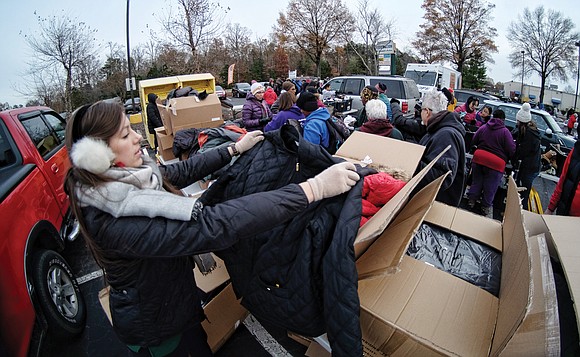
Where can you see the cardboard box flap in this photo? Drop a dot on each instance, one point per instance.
(515, 272)
(564, 234)
(377, 224)
(385, 254)
(401, 154)
(466, 223)
(213, 279)
(539, 332)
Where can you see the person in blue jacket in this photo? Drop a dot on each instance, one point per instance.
(143, 232)
(315, 130)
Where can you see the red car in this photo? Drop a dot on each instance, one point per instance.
(40, 294)
(221, 93)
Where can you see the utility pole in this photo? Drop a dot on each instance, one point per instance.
(522, 86)
(129, 60)
(577, 75)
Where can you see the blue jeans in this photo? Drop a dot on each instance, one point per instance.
(526, 180)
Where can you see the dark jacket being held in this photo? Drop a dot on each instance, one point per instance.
(153, 116)
(445, 129)
(153, 292)
(301, 274)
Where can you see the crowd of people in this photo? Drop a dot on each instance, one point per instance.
(145, 249)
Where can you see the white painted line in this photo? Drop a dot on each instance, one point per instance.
(264, 338)
(90, 276)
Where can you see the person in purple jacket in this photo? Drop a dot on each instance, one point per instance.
(256, 112)
(288, 110)
(495, 146)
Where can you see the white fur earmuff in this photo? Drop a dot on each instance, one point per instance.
(93, 155)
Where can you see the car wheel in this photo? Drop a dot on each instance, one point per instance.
(58, 295)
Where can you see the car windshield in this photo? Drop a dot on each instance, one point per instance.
(129, 101)
(243, 86)
(422, 78)
(218, 88)
(548, 118)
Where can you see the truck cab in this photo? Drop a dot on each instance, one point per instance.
(433, 76)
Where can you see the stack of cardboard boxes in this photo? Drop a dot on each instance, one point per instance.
(185, 113)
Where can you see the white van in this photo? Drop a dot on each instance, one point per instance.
(399, 87)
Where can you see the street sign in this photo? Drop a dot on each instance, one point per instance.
(130, 84)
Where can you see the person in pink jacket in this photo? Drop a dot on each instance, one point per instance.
(468, 110)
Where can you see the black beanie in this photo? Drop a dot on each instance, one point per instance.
(307, 102)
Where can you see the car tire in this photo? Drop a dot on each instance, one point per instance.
(58, 295)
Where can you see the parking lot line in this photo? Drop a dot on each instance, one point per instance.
(264, 338)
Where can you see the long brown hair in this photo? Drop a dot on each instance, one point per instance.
(287, 99)
(100, 120)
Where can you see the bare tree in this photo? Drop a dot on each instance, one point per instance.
(547, 39)
(62, 43)
(313, 28)
(372, 29)
(193, 24)
(460, 27)
(237, 41)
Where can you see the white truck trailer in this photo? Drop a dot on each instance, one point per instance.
(430, 76)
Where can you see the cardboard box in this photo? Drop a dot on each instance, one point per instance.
(561, 235)
(166, 154)
(410, 308)
(190, 112)
(164, 140)
(389, 153)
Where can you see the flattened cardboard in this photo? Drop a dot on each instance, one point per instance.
(421, 310)
(224, 314)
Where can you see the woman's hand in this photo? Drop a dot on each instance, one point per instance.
(249, 140)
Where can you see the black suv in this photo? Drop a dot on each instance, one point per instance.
(550, 131)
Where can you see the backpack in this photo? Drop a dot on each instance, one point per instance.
(338, 132)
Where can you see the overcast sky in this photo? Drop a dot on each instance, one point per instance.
(108, 17)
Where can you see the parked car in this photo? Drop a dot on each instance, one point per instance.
(399, 87)
(462, 94)
(220, 92)
(550, 131)
(240, 90)
(130, 108)
(40, 294)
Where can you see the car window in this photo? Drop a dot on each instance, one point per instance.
(218, 88)
(395, 89)
(57, 124)
(461, 97)
(336, 84)
(412, 90)
(540, 122)
(354, 86)
(7, 157)
(41, 133)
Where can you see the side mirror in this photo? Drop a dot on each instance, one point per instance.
(549, 132)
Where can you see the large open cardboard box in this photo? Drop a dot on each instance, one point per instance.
(191, 112)
(409, 308)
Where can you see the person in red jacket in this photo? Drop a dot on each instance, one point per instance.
(566, 197)
(572, 118)
(270, 96)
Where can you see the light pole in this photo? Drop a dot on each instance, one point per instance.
(367, 52)
(129, 60)
(577, 43)
(522, 86)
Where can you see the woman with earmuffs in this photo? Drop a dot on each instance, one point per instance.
(143, 232)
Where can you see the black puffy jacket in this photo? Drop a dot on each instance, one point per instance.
(147, 261)
(301, 274)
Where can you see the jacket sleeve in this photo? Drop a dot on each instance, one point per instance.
(555, 198)
(198, 166)
(406, 125)
(247, 114)
(216, 228)
(448, 162)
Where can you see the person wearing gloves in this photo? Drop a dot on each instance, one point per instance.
(143, 232)
(153, 115)
(527, 159)
(443, 129)
(256, 112)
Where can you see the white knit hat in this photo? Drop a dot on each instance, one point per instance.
(524, 115)
(256, 87)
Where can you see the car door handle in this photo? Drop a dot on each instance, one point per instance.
(54, 168)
